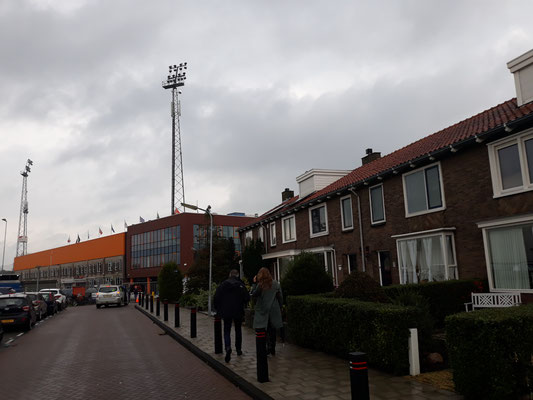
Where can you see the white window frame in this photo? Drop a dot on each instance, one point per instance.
(443, 233)
(428, 211)
(323, 233)
(261, 234)
(500, 223)
(293, 229)
(272, 231)
(248, 237)
(494, 161)
(382, 204)
(349, 197)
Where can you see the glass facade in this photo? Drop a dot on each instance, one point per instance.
(201, 235)
(153, 249)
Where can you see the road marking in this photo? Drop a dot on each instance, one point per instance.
(9, 341)
(20, 334)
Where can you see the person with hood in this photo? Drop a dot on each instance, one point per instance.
(230, 299)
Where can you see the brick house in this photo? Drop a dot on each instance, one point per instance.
(455, 204)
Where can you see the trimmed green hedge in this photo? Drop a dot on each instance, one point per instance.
(490, 352)
(340, 326)
(444, 298)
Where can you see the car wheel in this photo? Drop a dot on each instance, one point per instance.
(28, 326)
(98, 306)
(40, 317)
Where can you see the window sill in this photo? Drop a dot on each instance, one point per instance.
(511, 192)
(416, 214)
(348, 229)
(319, 234)
(379, 223)
(288, 241)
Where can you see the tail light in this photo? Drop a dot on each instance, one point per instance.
(25, 308)
(57, 296)
(35, 302)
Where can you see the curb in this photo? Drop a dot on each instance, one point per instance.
(227, 373)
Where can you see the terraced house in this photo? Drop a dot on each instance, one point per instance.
(455, 204)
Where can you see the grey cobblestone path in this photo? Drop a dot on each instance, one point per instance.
(111, 353)
(299, 373)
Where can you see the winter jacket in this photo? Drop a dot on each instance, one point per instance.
(268, 306)
(230, 298)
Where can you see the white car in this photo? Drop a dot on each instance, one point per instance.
(61, 299)
(109, 294)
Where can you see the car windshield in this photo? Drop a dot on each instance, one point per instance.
(49, 290)
(108, 289)
(12, 301)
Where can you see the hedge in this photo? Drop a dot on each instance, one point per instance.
(340, 326)
(444, 298)
(490, 352)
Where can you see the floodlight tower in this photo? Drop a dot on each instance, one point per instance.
(22, 238)
(175, 79)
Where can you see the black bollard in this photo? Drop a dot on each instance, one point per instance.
(152, 304)
(141, 299)
(147, 301)
(177, 315)
(359, 376)
(157, 307)
(218, 335)
(262, 361)
(165, 310)
(193, 322)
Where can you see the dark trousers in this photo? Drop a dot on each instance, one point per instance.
(238, 333)
(271, 338)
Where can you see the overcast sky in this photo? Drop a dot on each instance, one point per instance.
(273, 89)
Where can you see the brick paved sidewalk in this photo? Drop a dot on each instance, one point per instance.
(294, 372)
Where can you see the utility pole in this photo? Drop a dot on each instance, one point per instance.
(22, 238)
(175, 79)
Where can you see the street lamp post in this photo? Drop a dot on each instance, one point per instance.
(208, 212)
(4, 252)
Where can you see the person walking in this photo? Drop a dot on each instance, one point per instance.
(269, 299)
(230, 299)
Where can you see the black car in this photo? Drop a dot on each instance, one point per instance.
(17, 310)
(51, 302)
(40, 306)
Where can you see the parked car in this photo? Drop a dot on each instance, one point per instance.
(60, 298)
(7, 290)
(90, 294)
(51, 303)
(40, 306)
(109, 294)
(17, 310)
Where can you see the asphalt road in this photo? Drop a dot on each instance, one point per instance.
(110, 353)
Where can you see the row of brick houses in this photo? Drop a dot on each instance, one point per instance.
(455, 204)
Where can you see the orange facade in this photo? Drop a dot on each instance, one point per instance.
(108, 246)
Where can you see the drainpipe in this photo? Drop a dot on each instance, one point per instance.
(360, 229)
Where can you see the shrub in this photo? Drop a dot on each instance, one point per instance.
(305, 275)
(199, 299)
(490, 352)
(444, 298)
(359, 285)
(340, 326)
(170, 282)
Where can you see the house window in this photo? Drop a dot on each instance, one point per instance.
(377, 209)
(288, 227)
(423, 192)
(509, 254)
(427, 257)
(272, 227)
(511, 165)
(346, 213)
(318, 220)
(260, 234)
(248, 237)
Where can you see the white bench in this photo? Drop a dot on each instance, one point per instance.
(494, 300)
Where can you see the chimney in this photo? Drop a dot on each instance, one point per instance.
(522, 69)
(370, 156)
(287, 194)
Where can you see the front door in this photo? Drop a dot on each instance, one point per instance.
(385, 272)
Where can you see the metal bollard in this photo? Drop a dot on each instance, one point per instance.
(218, 335)
(165, 310)
(147, 301)
(262, 361)
(177, 315)
(157, 307)
(359, 376)
(193, 322)
(152, 304)
(141, 300)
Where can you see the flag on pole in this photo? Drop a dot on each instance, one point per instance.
(78, 239)
(112, 229)
(125, 225)
(141, 219)
(68, 240)
(176, 211)
(88, 235)
(158, 215)
(100, 230)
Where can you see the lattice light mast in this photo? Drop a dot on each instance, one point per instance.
(22, 238)
(175, 79)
